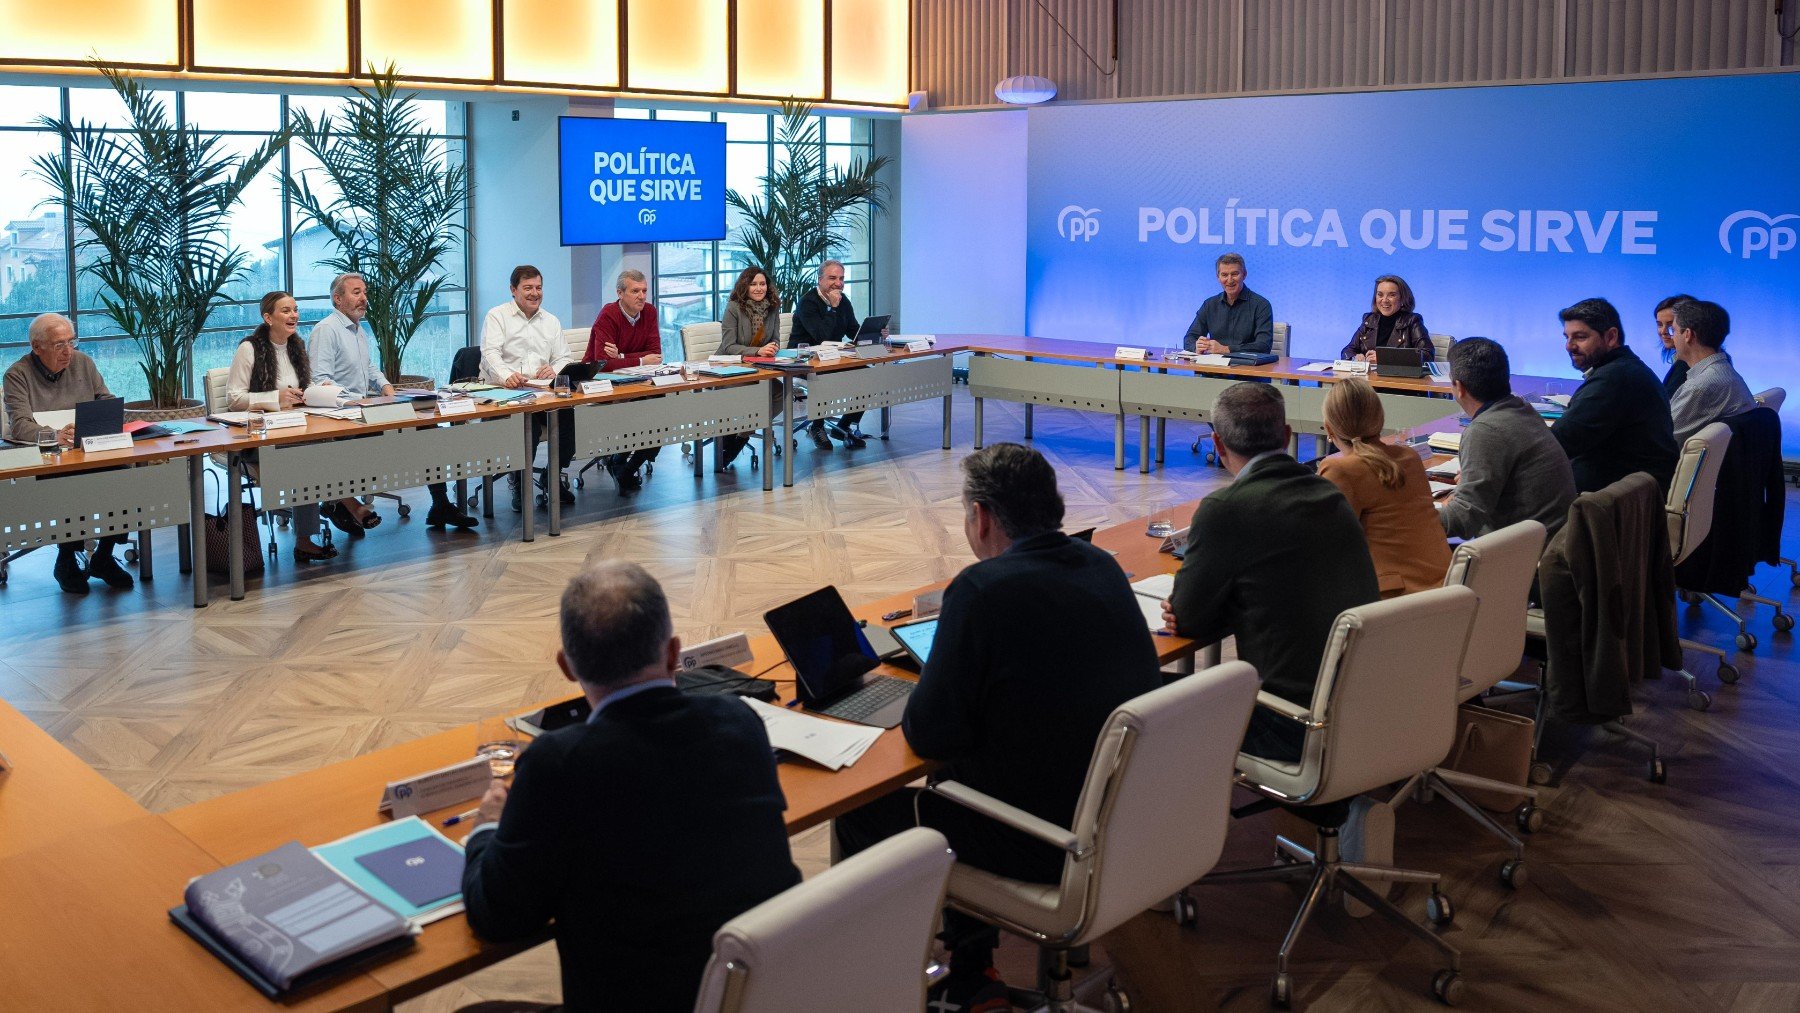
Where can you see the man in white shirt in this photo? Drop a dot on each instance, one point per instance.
(341, 356)
(520, 342)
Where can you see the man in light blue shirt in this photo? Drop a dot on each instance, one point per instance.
(341, 356)
(1713, 389)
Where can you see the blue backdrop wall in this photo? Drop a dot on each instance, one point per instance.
(1498, 205)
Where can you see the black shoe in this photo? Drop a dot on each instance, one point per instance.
(342, 519)
(849, 437)
(303, 554)
(983, 993)
(567, 494)
(447, 515)
(103, 567)
(69, 574)
(517, 497)
(820, 440)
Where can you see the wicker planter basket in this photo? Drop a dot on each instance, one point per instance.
(143, 411)
(423, 382)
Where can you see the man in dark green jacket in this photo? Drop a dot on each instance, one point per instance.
(1272, 558)
(1618, 421)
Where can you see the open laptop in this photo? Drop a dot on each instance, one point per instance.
(832, 661)
(1389, 361)
(102, 417)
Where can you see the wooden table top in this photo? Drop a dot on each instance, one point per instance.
(47, 792)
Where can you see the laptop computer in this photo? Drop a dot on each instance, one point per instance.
(102, 417)
(872, 328)
(832, 662)
(915, 638)
(1408, 362)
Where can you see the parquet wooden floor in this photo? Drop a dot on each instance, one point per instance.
(1684, 896)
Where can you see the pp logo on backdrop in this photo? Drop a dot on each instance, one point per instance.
(1076, 222)
(646, 216)
(1748, 233)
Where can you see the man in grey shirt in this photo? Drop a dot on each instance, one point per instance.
(1512, 467)
(1713, 389)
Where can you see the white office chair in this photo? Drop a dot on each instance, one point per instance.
(705, 338)
(577, 339)
(218, 399)
(1690, 509)
(1151, 819)
(1498, 567)
(1279, 343)
(856, 936)
(1440, 346)
(1383, 710)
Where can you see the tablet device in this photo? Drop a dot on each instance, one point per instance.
(1407, 362)
(916, 637)
(872, 328)
(102, 417)
(832, 661)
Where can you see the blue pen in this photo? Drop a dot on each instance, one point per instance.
(461, 817)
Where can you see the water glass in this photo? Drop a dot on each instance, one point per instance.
(561, 386)
(1162, 527)
(49, 445)
(259, 424)
(496, 740)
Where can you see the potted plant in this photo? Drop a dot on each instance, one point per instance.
(394, 208)
(798, 219)
(149, 202)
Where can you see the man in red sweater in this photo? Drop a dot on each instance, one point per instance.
(625, 334)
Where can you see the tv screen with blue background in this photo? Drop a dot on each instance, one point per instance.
(640, 181)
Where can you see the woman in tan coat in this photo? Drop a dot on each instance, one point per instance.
(1387, 487)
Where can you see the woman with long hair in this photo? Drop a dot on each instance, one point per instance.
(751, 326)
(1387, 487)
(1390, 322)
(1665, 329)
(269, 372)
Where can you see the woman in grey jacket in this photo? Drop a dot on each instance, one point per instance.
(752, 321)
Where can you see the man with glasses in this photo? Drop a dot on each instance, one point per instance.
(53, 377)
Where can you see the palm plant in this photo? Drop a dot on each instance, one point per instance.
(149, 204)
(800, 217)
(394, 209)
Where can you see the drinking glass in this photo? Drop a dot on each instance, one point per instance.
(1162, 527)
(496, 740)
(561, 386)
(259, 424)
(49, 445)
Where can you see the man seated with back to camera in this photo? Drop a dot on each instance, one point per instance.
(1512, 467)
(625, 334)
(636, 835)
(1039, 641)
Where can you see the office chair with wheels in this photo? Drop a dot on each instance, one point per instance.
(1498, 567)
(218, 399)
(1151, 819)
(1774, 398)
(708, 335)
(1383, 710)
(856, 936)
(1748, 459)
(465, 367)
(1690, 508)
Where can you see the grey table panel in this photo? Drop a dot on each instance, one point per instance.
(676, 417)
(878, 385)
(386, 461)
(1088, 389)
(92, 504)
(1405, 412)
(1171, 395)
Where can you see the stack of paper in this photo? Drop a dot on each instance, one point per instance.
(350, 414)
(831, 744)
(1449, 443)
(1448, 469)
(1150, 593)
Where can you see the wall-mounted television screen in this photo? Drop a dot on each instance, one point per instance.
(640, 181)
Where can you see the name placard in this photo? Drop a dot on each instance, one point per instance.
(1124, 352)
(871, 351)
(919, 345)
(402, 412)
(731, 649)
(825, 355)
(928, 604)
(19, 457)
(436, 789)
(667, 380)
(596, 386)
(285, 420)
(111, 441)
(724, 358)
(460, 406)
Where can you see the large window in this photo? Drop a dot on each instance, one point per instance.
(35, 247)
(692, 280)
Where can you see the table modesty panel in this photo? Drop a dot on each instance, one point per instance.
(391, 460)
(1094, 390)
(92, 504)
(1171, 395)
(878, 385)
(677, 417)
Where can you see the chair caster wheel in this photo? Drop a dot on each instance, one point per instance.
(1282, 995)
(1783, 622)
(580, 483)
(1187, 910)
(1746, 641)
(1699, 699)
(131, 557)
(1728, 673)
(1659, 773)
(1540, 774)
(1447, 985)
(1529, 818)
(1117, 1001)
(1512, 874)
(1439, 911)
(405, 511)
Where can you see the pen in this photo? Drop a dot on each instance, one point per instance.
(194, 439)
(460, 817)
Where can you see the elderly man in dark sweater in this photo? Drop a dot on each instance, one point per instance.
(1618, 422)
(55, 377)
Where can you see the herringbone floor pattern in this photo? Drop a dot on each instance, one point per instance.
(1684, 896)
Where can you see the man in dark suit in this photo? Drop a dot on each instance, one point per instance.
(640, 832)
(1618, 421)
(1272, 558)
(1039, 641)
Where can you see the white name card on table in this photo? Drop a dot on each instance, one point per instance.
(1124, 352)
(596, 386)
(1212, 359)
(19, 457)
(460, 406)
(285, 420)
(402, 412)
(111, 441)
(725, 358)
(731, 649)
(667, 380)
(919, 345)
(825, 355)
(436, 789)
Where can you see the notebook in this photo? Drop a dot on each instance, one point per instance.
(424, 870)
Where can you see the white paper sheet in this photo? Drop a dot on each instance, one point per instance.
(831, 744)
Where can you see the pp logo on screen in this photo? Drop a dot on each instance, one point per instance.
(1758, 233)
(1076, 222)
(646, 216)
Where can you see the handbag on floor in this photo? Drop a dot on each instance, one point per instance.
(1495, 745)
(218, 545)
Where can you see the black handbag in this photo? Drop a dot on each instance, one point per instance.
(218, 544)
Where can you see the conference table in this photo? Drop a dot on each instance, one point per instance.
(86, 875)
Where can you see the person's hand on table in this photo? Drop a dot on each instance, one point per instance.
(884, 334)
(387, 390)
(66, 435)
(651, 360)
(1217, 347)
(513, 381)
(545, 372)
(611, 350)
(492, 803)
(1369, 356)
(767, 350)
(1168, 617)
(292, 397)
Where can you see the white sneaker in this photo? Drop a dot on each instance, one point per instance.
(1367, 839)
